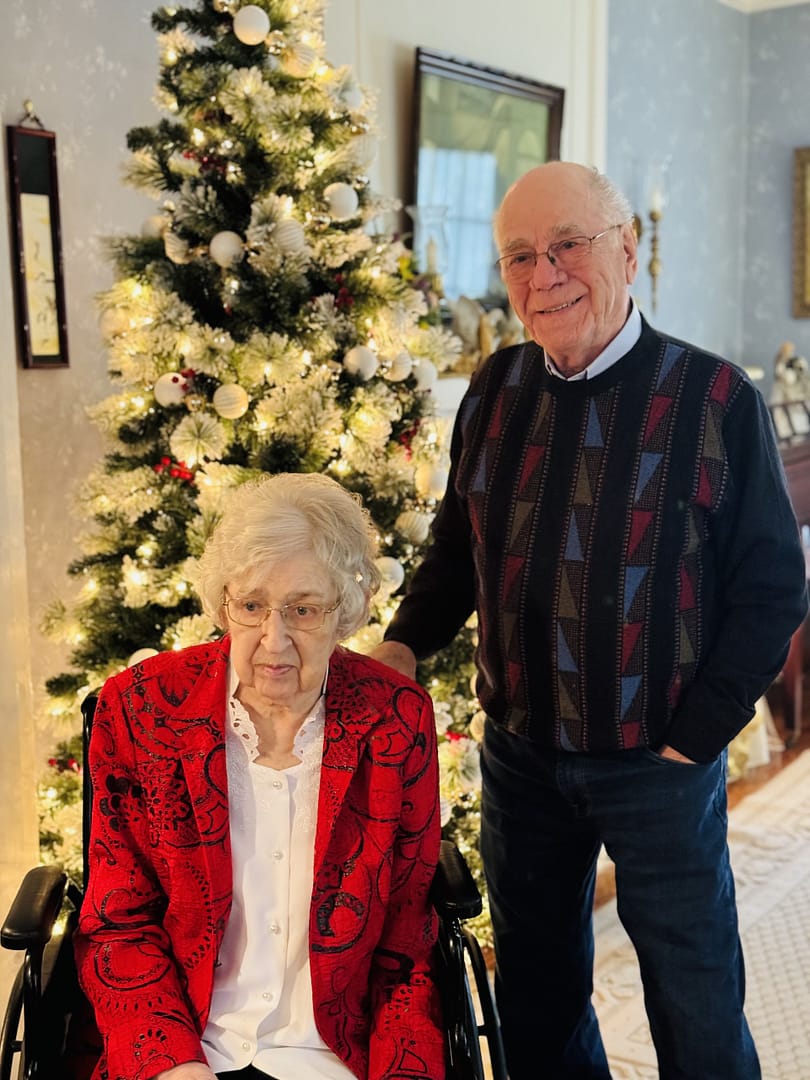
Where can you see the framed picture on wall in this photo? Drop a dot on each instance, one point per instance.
(791, 420)
(36, 247)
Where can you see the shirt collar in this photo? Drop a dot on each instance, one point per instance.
(615, 350)
(310, 733)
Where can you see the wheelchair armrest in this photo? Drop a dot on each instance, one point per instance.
(454, 891)
(33, 912)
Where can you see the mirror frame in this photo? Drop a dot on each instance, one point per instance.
(429, 62)
(801, 233)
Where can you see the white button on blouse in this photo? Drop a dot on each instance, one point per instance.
(261, 1009)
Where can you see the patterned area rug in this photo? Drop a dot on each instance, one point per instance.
(769, 838)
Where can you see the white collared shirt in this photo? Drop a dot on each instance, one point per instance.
(261, 1010)
(615, 350)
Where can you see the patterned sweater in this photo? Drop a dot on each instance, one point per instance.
(628, 544)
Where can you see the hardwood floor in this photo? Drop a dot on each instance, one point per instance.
(754, 779)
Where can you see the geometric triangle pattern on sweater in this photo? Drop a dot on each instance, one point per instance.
(642, 541)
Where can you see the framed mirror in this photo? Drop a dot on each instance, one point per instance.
(476, 130)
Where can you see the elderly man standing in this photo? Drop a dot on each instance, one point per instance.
(617, 515)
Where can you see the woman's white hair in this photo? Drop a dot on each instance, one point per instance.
(278, 517)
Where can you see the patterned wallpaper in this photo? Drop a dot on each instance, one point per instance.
(779, 90)
(677, 92)
(722, 95)
(89, 66)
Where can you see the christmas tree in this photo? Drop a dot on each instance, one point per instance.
(259, 323)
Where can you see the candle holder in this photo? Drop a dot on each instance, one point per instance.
(654, 266)
(430, 243)
(657, 200)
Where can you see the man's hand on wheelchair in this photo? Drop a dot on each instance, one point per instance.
(189, 1070)
(397, 656)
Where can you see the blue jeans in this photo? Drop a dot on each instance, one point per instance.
(545, 815)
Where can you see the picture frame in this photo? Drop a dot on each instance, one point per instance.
(791, 420)
(801, 233)
(36, 247)
(475, 130)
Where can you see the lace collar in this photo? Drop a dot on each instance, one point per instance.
(241, 728)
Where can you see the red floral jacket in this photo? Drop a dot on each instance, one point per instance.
(159, 893)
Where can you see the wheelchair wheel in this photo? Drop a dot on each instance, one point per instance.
(10, 1042)
(489, 1027)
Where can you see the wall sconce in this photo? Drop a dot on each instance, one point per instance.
(656, 201)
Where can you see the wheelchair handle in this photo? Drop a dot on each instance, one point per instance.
(33, 912)
(454, 892)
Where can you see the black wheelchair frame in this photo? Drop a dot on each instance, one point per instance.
(41, 1033)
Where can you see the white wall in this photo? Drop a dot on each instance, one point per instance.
(559, 43)
(17, 810)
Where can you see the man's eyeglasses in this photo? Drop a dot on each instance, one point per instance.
(297, 616)
(518, 266)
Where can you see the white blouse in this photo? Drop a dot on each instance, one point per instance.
(261, 1010)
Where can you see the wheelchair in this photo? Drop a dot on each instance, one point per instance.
(47, 1031)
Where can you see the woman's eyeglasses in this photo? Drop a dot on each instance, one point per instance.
(296, 616)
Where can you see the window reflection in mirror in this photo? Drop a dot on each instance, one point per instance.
(476, 131)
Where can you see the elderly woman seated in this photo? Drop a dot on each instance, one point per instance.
(265, 823)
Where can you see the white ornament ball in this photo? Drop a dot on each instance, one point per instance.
(426, 374)
(226, 248)
(112, 322)
(289, 235)
(299, 61)
(231, 401)
(361, 361)
(477, 725)
(342, 201)
(400, 367)
(430, 480)
(392, 574)
(414, 526)
(154, 227)
(139, 655)
(170, 388)
(251, 24)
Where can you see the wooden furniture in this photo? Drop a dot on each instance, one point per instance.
(796, 460)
